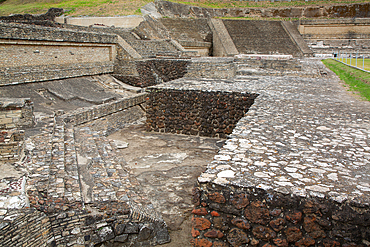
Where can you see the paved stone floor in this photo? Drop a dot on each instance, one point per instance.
(167, 166)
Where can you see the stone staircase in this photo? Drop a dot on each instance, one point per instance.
(70, 165)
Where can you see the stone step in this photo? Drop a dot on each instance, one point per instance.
(104, 176)
(56, 188)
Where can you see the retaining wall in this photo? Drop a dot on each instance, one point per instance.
(11, 145)
(236, 216)
(155, 71)
(195, 112)
(33, 53)
(356, 10)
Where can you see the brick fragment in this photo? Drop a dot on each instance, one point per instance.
(277, 224)
(194, 233)
(294, 217)
(215, 214)
(240, 223)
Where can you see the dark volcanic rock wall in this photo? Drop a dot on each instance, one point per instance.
(194, 112)
(235, 216)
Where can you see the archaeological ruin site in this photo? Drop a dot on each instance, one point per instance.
(183, 127)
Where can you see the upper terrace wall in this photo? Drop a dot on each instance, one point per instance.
(34, 53)
(335, 29)
(357, 10)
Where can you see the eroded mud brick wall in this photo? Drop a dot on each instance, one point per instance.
(236, 216)
(193, 112)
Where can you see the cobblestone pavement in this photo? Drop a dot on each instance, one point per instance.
(305, 136)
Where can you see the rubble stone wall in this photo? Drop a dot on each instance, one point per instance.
(84, 115)
(356, 10)
(11, 145)
(218, 68)
(34, 53)
(194, 112)
(155, 71)
(235, 216)
(27, 227)
(16, 113)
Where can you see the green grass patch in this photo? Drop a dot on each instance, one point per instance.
(357, 80)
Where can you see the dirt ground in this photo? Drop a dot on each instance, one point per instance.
(167, 167)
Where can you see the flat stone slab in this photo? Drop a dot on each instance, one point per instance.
(303, 136)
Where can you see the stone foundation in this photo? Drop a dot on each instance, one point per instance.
(195, 112)
(238, 216)
(11, 145)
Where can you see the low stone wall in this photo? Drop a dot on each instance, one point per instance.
(211, 67)
(335, 29)
(16, 112)
(195, 112)
(235, 216)
(155, 71)
(11, 145)
(27, 227)
(84, 115)
(34, 53)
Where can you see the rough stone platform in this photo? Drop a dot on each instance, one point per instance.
(294, 171)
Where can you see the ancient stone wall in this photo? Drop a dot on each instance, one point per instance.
(11, 145)
(211, 67)
(34, 53)
(27, 227)
(195, 112)
(234, 216)
(356, 10)
(16, 112)
(84, 115)
(155, 71)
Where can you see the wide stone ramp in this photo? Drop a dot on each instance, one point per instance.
(261, 37)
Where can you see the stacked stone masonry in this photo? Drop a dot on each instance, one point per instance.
(35, 53)
(195, 112)
(356, 10)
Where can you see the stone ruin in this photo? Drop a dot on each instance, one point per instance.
(294, 169)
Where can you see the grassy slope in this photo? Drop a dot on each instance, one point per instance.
(132, 7)
(357, 80)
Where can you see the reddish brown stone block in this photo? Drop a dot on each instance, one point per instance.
(201, 242)
(200, 211)
(201, 223)
(240, 201)
(275, 212)
(214, 234)
(240, 223)
(313, 229)
(268, 245)
(256, 214)
(194, 233)
(215, 214)
(220, 244)
(293, 234)
(305, 242)
(280, 242)
(217, 197)
(330, 243)
(294, 217)
(237, 237)
(264, 233)
(277, 224)
(219, 223)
